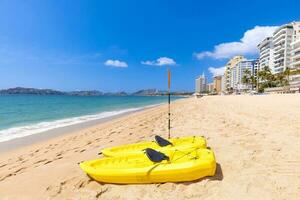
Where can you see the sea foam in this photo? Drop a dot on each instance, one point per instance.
(22, 131)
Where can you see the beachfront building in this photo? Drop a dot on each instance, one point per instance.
(294, 80)
(200, 84)
(281, 50)
(210, 88)
(228, 71)
(266, 49)
(295, 52)
(239, 72)
(235, 71)
(217, 84)
(295, 56)
(282, 39)
(223, 84)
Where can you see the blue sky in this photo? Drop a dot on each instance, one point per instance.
(124, 45)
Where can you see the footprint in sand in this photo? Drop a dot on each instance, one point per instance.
(49, 161)
(19, 170)
(3, 165)
(83, 150)
(5, 177)
(39, 161)
(56, 189)
(59, 153)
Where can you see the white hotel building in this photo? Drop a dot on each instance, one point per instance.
(238, 71)
(235, 71)
(281, 50)
(282, 39)
(200, 84)
(266, 54)
(295, 53)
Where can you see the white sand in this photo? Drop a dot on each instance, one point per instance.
(256, 140)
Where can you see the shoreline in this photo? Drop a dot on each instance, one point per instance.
(16, 143)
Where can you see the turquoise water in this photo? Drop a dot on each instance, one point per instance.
(22, 115)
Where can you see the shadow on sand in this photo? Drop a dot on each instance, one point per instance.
(217, 177)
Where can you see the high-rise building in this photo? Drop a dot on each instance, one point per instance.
(280, 51)
(210, 87)
(235, 70)
(223, 84)
(228, 70)
(200, 84)
(282, 39)
(218, 84)
(239, 70)
(266, 50)
(294, 80)
(295, 53)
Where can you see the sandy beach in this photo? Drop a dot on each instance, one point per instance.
(256, 140)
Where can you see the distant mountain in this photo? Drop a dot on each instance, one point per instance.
(149, 92)
(34, 91)
(85, 93)
(115, 94)
(146, 92)
(21, 90)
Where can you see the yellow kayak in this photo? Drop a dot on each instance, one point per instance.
(160, 144)
(153, 167)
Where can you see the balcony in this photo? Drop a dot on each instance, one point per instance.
(295, 49)
(264, 56)
(264, 51)
(279, 46)
(297, 42)
(295, 63)
(279, 51)
(280, 40)
(279, 57)
(280, 32)
(296, 57)
(279, 63)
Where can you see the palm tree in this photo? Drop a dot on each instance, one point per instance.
(280, 79)
(262, 74)
(246, 79)
(253, 81)
(266, 77)
(287, 73)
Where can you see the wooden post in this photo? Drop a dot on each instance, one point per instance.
(169, 102)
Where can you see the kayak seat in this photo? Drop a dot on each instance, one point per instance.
(155, 156)
(162, 142)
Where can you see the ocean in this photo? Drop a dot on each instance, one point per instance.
(23, 115)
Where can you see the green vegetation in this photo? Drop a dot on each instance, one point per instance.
(295, 72)
(269, 80)
(249, 79)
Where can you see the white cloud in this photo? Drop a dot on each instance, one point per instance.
(160, 61)
(246, 46)
(216, 71)
(116, 63)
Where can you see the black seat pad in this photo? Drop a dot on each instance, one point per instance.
(155, 156)
(161, 141)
